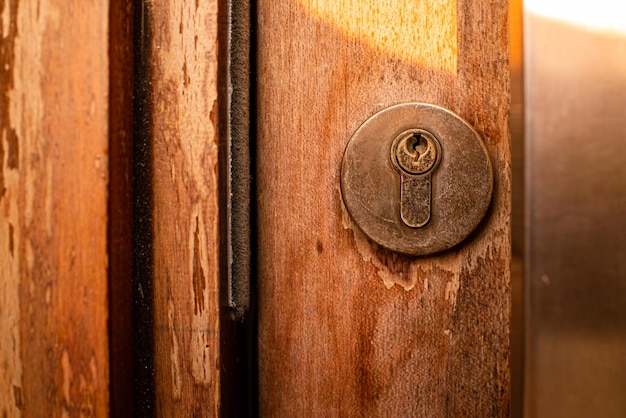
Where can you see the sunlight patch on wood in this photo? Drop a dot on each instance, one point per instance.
(421, 32)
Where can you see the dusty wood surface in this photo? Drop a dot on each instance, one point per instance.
(183, 43)
(54, 89)
(336, 338)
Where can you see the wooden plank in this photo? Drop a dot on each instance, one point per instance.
(54, 88)
(336, 336)
(182, 39)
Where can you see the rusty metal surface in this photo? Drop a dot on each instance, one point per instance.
(460, 179)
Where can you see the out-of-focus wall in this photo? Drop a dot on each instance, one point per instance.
(575, 133)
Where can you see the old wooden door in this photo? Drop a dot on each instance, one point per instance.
(343, 328)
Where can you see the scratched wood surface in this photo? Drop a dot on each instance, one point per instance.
(346, 328)
(182, 37)
(54, 89)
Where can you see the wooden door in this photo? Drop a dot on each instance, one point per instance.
(109, 208)
(64, 219)
(347, 328)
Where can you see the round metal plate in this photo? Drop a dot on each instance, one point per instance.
(461, 186)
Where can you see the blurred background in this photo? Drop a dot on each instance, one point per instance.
(569, 208)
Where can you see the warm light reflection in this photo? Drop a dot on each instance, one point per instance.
(421, 32)
(605, 15)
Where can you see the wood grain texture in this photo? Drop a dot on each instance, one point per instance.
(54, 90)
(185, 225)
(336, 336)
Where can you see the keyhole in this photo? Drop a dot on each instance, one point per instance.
(419, 146)
(419, 142)
(415, 153)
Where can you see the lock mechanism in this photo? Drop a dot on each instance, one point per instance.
(416, 178)
(415, 154)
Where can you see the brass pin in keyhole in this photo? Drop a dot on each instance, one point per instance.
(415, 154)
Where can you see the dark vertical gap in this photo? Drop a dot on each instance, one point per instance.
(253, 332)
(144, 397)
(253, 326)
(119, 237)
(238, 318)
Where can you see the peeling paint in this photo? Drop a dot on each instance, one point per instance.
(93, 368)
(6, 18)
(18, 397)
(186, 276)
(203, 370)
(11, 239)
(48, 198)
(199, 279)
(200, 340)
(11, 392)
(392, 268)
(66, 367)
(26, 98)
(174, 353)
(45, 338)
(13, 157)
(452, 289)
(406, 271)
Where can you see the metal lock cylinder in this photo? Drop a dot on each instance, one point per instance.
(416, 178)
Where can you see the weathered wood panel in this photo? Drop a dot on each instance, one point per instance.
(183, 66)
(54, 89)
(336, 336)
